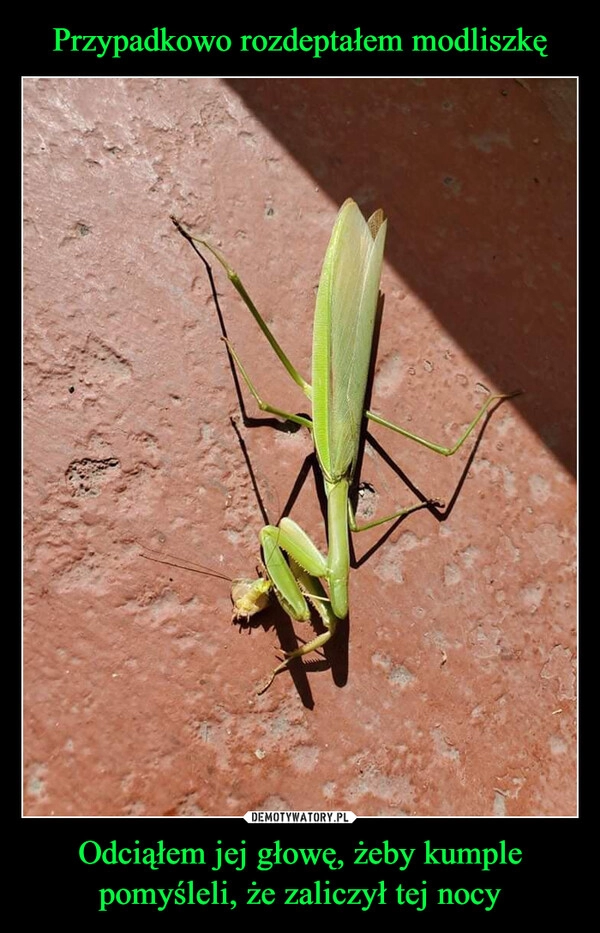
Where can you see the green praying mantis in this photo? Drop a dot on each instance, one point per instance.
(296, 570)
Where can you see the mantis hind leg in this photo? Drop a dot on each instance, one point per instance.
(239, 287)
(265, 406)
(439, 448)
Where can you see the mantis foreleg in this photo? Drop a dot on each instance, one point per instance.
(292, 583)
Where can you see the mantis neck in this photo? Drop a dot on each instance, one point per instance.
(339, 553)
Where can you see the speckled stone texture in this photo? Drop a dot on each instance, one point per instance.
(452, 689)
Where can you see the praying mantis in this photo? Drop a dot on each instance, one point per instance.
(297, 572)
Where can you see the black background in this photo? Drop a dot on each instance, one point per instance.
(53, 880)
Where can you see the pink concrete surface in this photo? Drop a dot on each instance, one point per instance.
(452, 690)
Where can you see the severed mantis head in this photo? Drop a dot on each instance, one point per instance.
(248, 597)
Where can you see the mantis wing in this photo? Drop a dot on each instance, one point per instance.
(343, 336)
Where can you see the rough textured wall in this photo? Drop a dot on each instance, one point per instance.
(452, 689)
